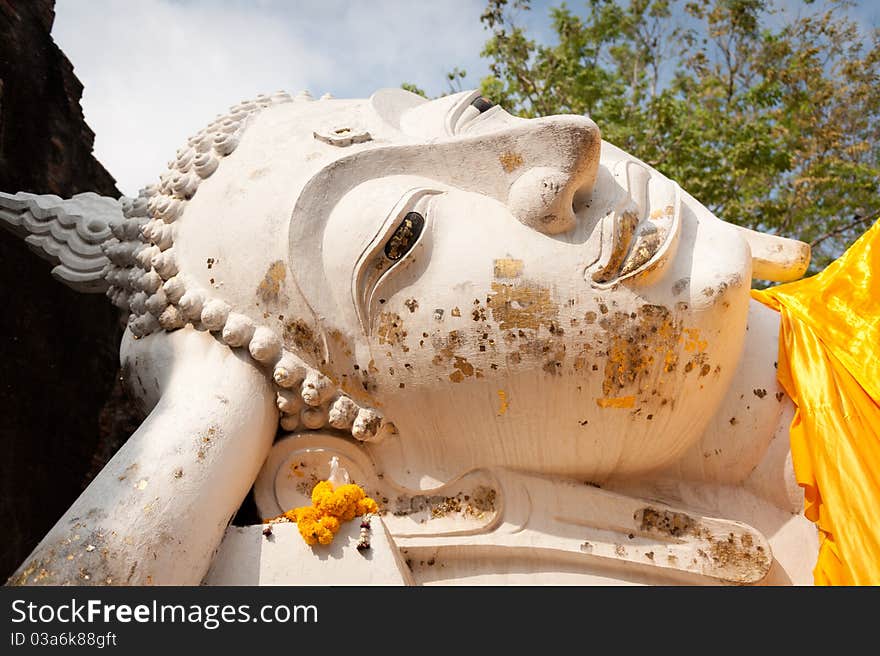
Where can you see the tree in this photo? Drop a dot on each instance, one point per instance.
(768, 118)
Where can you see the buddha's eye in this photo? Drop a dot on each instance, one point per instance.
(464, 117)
(482, 104)
(405, 236)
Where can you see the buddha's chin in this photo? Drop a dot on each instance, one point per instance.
(583, 435)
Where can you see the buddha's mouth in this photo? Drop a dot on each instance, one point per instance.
(642, 230)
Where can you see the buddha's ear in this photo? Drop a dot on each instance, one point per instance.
(69, 233)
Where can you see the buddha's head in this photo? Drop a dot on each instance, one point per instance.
(505, 291)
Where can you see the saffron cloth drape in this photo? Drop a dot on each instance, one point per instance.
(829, 364)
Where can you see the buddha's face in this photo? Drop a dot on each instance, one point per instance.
(519, 293)
(506, 291)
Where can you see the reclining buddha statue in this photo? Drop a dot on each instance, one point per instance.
(539, 355)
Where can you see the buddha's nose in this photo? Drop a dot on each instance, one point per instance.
(560, 158)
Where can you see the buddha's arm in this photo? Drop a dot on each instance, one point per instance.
(158, 510)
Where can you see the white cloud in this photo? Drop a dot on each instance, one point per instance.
(156, 71)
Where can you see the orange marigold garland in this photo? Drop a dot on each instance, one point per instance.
(332, 504)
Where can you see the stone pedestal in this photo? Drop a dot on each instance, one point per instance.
(247, 557)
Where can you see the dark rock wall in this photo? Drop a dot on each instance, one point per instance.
(59, 355)
(45, 144)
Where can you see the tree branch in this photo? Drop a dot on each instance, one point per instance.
(849, 226)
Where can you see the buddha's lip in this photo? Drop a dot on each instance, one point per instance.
(641, 232)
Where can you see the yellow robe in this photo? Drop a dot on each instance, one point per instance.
(829, 364)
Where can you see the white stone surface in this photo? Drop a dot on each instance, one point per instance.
(247, 557)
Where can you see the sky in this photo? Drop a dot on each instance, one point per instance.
(157, 71)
